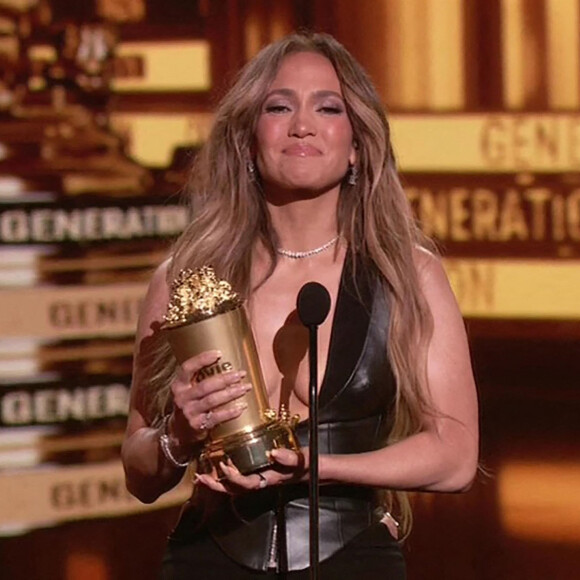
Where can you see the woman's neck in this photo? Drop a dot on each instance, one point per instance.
(307, 223)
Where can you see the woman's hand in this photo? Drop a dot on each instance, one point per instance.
(288, 467)
(201, 405)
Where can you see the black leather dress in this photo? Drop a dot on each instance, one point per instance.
(270, 528)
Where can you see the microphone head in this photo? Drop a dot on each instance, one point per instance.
(313, 304)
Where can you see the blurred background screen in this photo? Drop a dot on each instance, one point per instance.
(103, 104)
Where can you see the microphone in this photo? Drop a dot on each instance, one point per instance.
(313, 305)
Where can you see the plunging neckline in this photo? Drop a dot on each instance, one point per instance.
(332, 339)
(350, 320)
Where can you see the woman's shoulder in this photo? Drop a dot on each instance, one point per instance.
(427, 263)
(157, 296)
(160, 274)
(434, 282)
(158, 283)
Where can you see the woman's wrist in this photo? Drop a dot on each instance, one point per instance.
(176, 453)
(324, 467)
(329, 469)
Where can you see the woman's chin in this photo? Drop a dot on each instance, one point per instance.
(298, 189)
(297, 193)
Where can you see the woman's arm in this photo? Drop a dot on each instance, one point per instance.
(148, 471)
(444, 455)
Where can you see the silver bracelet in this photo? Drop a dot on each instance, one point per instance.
(165, 446)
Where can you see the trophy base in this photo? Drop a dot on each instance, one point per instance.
(250, 451)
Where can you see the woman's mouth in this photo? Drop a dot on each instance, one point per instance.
(302, 150)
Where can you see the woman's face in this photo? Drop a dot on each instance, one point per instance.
(304, 137)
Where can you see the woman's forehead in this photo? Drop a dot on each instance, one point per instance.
(306, 69)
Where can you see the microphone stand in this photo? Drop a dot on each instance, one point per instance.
(313, 446)
(313, 305)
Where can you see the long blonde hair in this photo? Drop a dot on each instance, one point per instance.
(229, 216)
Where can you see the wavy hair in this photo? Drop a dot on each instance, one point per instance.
(229, 216)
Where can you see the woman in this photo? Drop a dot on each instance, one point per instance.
(297, 182)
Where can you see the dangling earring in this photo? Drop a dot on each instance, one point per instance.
(251, 169)
(352, 175)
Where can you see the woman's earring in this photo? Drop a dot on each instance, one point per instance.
(352, 175)
(251, 168)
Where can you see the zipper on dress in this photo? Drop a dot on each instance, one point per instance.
(273, 556)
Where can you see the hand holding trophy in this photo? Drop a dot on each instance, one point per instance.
(204, 313)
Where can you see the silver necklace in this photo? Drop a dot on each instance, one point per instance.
(307, 253)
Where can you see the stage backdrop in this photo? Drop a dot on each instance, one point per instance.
(103, 104)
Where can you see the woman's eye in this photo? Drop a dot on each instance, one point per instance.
(276, 108)
(331, 110)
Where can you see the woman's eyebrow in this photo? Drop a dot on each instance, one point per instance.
(292, 93)
(281, 92)
(326, 93)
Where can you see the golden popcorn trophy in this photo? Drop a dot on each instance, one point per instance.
(204, 313)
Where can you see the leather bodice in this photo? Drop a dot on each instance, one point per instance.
(356, 395)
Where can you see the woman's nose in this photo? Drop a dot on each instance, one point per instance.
(302, 124)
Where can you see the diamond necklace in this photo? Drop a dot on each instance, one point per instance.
(307, 253)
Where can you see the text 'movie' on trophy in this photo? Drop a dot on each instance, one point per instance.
(204, 313)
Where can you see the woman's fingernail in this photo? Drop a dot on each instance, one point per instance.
(241, 406)
(232, 377)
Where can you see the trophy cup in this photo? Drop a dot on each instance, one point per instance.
(204, 313)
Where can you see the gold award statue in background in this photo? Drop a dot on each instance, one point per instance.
(204, 313)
